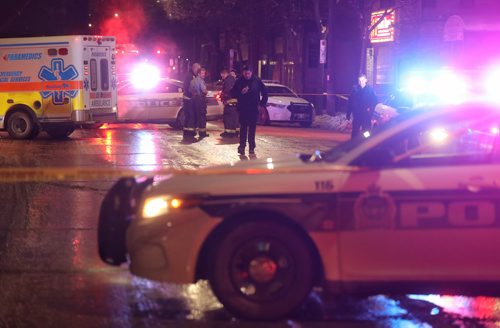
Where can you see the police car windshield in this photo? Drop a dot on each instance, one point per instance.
(340, 150)
(273, 90)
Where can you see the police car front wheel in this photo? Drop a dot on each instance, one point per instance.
(262, 270)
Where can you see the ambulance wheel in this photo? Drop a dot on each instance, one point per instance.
(92, 126)
(263, 117)
(261, 270)
(59, 132)
(20, 125)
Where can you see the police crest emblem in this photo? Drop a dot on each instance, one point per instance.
(374, 209)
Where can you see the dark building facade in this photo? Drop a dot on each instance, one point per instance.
(44, 18)
(434, 34)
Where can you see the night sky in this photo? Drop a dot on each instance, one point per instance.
(44, 17)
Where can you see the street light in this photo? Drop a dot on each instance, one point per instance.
(116, 15)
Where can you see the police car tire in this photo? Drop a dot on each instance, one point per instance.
(31, 130)
(263, 118)
(179, 122)
(299, 277)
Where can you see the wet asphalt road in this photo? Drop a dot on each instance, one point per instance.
(51, 276)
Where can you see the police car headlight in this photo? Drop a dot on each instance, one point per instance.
(157, 206)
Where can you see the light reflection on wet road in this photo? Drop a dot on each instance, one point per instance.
(51, 276)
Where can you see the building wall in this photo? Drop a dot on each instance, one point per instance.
(433, 34)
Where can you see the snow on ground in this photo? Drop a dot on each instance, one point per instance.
(338, 122)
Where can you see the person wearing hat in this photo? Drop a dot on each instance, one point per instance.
(250, 93)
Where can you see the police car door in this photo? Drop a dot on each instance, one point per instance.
(131, 103)
(432, 213)
(165, 102)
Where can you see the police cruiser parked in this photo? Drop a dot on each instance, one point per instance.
(161, 103)
(284, 106)
(415, 207)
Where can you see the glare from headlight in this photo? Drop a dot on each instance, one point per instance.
(145, 76)
(154, 207)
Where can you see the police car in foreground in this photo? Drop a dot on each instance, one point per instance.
(415, 207)
(284, 106)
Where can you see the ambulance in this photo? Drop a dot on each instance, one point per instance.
(56, 84)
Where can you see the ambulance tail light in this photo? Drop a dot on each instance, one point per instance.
(63, 51)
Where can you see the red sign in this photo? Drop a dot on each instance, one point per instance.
(384, 31)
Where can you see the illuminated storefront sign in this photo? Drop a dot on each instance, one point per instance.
(384, 31)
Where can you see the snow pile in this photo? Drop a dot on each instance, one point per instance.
(384, 113)
(338, 122)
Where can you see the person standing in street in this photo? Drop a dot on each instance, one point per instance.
(250, 93)
(198, 90)
(362, 104)
(230, 116)
(189, 128)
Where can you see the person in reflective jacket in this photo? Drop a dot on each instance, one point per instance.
(198, 90)
(230, 118)
(189, 128)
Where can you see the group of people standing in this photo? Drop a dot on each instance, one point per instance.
(241, 97)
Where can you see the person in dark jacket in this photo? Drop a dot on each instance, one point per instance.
(362, 103)
(189, 129)
(230, 118)
(250, 93)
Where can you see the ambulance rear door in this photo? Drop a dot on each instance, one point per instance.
(99, 82)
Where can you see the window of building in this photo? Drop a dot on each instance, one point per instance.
(428, 3)
(467, 3)
(387, 3)
(313, 60)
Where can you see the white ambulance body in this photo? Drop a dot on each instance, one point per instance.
(56, 84)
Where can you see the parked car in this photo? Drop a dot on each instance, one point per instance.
(161, 104)
(284, 105)
(411, 208)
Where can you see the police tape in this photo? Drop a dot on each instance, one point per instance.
(343, 96)
(43, 174)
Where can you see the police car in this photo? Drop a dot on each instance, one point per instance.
(414, 207)
(284, 105)
(162, 103)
